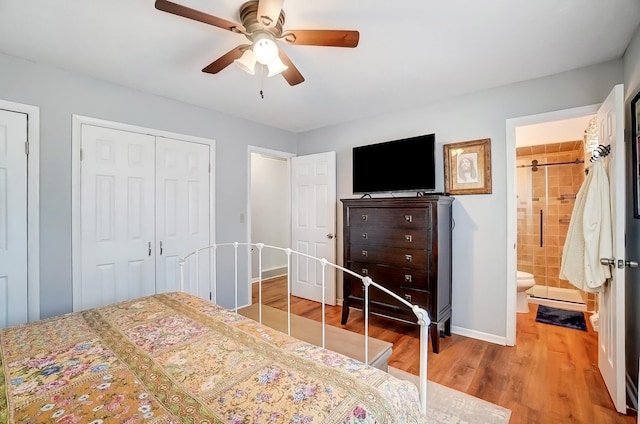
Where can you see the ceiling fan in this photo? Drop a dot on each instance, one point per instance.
(262, 23)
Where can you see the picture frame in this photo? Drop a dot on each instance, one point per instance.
(467, 167)
(635, 148)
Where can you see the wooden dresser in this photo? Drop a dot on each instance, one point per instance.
(403, 244)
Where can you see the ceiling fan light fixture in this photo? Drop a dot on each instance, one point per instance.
(276, 67)
(247, 62)
(265, 49)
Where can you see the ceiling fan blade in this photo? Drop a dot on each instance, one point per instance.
(269, 12)
(292, 75)
(196, 15)
(322, 37)
(225, 60)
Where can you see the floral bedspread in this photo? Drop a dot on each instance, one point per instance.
(175, 358)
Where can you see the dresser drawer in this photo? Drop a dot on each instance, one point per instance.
(392, 277)
(377, 296)
(410, 238)
(401, 218)
(393, 256)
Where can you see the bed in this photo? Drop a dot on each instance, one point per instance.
(173, 358)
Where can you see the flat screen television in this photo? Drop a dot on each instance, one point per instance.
(407, 164)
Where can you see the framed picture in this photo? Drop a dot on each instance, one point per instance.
(467, 167)
(635, 140)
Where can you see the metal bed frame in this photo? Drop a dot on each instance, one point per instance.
(422, 317)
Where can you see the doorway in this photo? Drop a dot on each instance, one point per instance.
(309, 218)
(269, 209)
(550, 162)
(513, 126)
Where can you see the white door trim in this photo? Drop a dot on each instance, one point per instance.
(33, 204)
(76, 143)
(277, 154)
(510, 154)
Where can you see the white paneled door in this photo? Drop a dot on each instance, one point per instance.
(182, 213)
(313, 204)
(13, 218)
(117, 215)
(611, 336)
(145, 201)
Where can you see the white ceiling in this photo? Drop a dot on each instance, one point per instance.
(411, 52)
(553, 131)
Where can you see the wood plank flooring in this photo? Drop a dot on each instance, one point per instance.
(550, 376)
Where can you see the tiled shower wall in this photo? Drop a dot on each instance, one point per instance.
(555, 194)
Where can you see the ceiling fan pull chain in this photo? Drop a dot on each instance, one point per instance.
(261, 81)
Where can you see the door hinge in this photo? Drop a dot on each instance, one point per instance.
(209, 168)
(80, 155)
(26, 148)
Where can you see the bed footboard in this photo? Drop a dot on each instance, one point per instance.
(208, 256)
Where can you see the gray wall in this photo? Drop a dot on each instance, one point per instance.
(632, 276)
(59, 94)
(479, 239)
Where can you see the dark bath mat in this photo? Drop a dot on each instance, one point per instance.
(555, 316)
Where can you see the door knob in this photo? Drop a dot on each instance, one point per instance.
(329, 236)
(631, 264)
(607, 261)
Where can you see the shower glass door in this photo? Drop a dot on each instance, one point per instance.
(533, 211)
(546, 195)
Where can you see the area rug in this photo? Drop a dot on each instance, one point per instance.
(445, 405)
(562, 318)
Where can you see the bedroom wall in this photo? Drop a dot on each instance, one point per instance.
(59, 94)
(479, 237)
(632, 276)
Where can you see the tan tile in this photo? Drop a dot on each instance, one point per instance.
(550, 240)
(552, 230)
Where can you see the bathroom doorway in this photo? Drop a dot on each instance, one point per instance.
(548, 179)
(547, 127)
(551, 159)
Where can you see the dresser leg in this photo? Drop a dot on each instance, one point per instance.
(447, 327)
(345, 313)
(435, 337)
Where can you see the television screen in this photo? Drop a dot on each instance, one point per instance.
(400, 165)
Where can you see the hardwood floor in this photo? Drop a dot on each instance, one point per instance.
(550, 376)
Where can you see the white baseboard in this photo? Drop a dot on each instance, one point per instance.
(271, 273)
(491, 338)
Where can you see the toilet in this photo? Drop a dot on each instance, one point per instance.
(525, 282)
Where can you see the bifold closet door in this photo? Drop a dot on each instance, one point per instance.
(182, 213)
(117, 215)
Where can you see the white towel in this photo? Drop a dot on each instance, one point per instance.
(589, 236)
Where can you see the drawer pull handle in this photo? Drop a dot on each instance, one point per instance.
(407, 297)
(364, 253)
(408, 278)
(408, 218)
(364, 217)
(409, 258)
(408, 238)
(365, 271)
(364, 235)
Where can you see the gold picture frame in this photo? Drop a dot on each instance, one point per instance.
(467, 167)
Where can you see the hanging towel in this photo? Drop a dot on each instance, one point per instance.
(589, 236)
